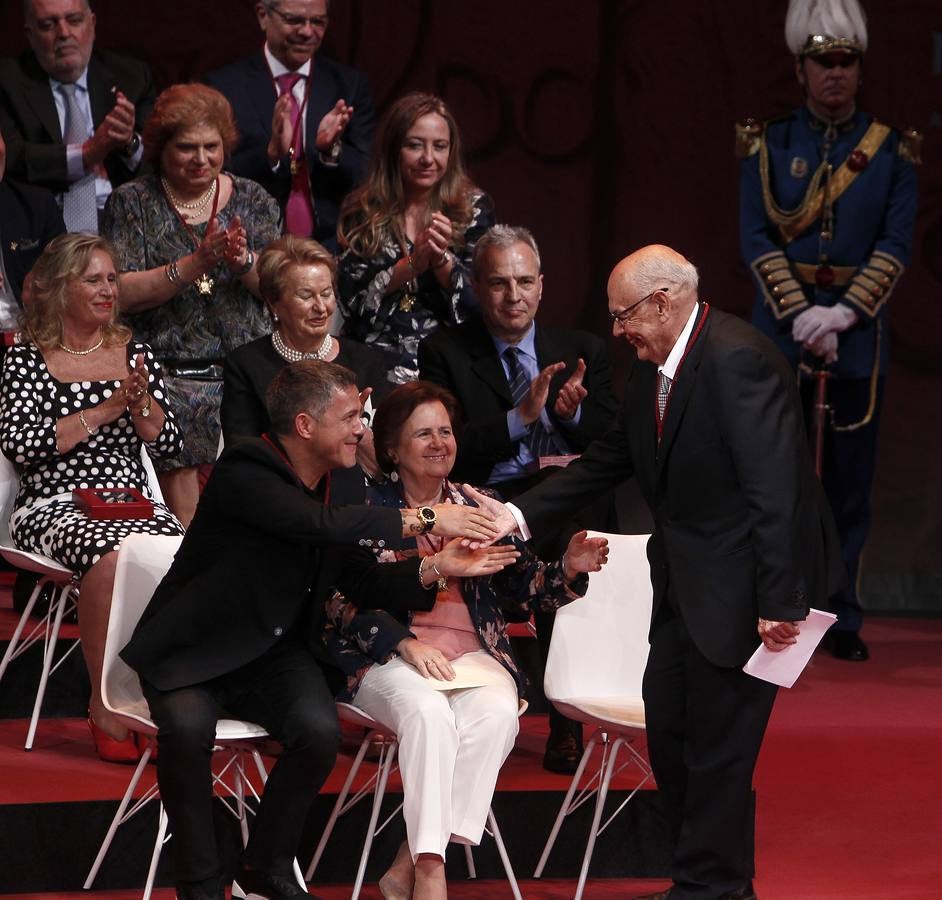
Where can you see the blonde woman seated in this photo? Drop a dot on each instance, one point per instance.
(78, 398)
(452, 742)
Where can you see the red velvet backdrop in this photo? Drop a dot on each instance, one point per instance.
(607, 125)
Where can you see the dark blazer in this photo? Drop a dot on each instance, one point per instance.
(29, 219)
(249, 87)
(741, 527)
(464, 360)
(30, 125)
(250, 369)
(259, 560)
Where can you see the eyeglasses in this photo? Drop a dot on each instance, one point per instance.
(298, 21)
(624, 317)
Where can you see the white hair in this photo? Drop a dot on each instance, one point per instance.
(842, 19)
(654, 272)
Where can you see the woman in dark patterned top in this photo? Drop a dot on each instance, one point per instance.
(77, 400)
(452, 689)
(407, 235)
(186, 240)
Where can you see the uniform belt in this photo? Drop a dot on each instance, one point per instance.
(806, 273)
(197, 369)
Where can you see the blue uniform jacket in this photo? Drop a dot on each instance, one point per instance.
(870, 241)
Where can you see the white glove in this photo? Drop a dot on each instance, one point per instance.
(813, 323)
(824, 346)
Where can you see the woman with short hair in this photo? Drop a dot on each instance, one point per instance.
(186, 239)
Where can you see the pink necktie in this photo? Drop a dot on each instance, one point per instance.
(299, 210)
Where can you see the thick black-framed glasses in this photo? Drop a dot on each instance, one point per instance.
(297, 21)
(622, 317)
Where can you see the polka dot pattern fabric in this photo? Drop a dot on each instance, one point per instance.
(44, 519)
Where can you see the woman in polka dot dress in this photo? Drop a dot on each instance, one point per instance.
(77, 398)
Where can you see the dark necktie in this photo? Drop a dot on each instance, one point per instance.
(79, 202)
(540, 441)
(299, 210)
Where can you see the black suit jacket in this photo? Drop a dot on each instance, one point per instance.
(464, 360)
(30, 125)
(29, 219)
(258, 562)
(249, 87)
(741, 526)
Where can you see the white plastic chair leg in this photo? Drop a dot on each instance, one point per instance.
(597, 815)
(155, 856)
(116, 821)
(335, 812)
(60, 601)
(18, 631)
(504, 858)
(469, 861)
(387, 755)
(565, 808)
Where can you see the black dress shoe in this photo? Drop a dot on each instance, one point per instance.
(211, 889)
(563, 753)
(744, 893)
(258, 884)
(848, 645)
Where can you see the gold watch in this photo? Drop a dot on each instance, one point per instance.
(427, 518)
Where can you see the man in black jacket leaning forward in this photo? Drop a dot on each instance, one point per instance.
(234, 628)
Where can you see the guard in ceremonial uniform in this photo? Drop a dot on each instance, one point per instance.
(827, 205)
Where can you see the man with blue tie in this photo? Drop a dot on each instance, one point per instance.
(827, 208)
(528, 392)
(305, 121)
(72, 115)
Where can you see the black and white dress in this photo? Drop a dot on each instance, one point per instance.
(44, 519)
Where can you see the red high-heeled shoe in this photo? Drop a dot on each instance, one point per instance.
(111, 750)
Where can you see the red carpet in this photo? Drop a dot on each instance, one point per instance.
(849, 797)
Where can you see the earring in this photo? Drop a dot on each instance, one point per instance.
(274, 315)
(393, 476)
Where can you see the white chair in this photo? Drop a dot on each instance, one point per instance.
(377, 733)
(64, 595)
(593, 675)
(142, 562)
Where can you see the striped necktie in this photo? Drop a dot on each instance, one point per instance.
(540, 441)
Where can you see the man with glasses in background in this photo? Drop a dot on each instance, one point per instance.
(71, 114)
(306, 121)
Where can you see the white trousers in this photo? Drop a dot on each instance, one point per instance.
(451, 745)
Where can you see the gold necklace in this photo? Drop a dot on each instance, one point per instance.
(197, 206)
(101, 340)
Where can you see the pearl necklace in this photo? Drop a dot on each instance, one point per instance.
(197, 205)
(291, 355)
(101, 340)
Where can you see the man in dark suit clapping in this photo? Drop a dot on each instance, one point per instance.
(71, 114)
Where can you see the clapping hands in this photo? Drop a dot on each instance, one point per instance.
(584, 554)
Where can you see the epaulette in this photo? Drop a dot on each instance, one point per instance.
(748, 137)
(910, 146)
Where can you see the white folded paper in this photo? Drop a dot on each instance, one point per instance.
(468, 674)
(784, 667)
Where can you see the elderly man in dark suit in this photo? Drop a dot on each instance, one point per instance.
(306, 121)
(72, 115)
(235, 626)
(711, 426)
(527, 391)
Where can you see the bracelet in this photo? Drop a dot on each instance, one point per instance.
(173, 273)
(422, 563)
(249, 262)
(145, 409)
(91, 431)
(442, 579)
(443, 260)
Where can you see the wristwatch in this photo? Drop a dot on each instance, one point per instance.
(427, 518)
(132, 145)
